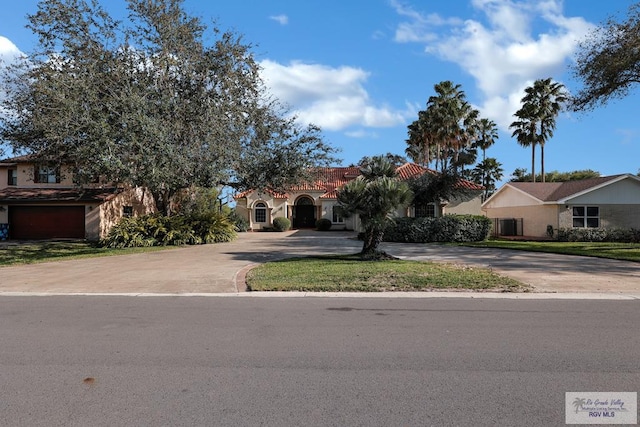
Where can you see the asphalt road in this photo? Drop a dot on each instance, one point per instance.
(233, 361)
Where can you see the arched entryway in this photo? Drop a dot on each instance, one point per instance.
(304, 213)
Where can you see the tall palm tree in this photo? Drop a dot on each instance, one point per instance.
(487, 135)
(551, 96)
(536, 119)
(420, 143)
(453, 120)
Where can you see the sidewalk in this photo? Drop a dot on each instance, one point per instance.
(208, 269)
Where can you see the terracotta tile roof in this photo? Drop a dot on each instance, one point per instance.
(555, 191)
(12, 194)
(328, 180)
(18, 159)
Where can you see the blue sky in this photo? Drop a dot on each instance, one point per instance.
(362, 69)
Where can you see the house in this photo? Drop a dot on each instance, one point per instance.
(306, 203)
(38, 201)
(535, 209)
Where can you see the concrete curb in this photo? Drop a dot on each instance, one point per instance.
(373, 295)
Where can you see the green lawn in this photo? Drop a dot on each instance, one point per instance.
(28, 253)
(620, 251)
(343, 273)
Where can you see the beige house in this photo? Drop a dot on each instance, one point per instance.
(532, 208)
(303, 205)
(42, 202)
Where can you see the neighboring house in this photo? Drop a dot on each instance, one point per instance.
(42, 202)
(305, 204)
(532, 208)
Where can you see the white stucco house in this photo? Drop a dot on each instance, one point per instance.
(530, 208)
(306, 203)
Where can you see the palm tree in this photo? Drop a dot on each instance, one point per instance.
(525, 132)
(453, 120)
(487, 173)
(374, 196)
(487, 135)
(551, 96)
(536, 119)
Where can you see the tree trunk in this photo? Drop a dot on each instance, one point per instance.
(163, 203)
(533, 162)
(372, 240)
(542, 162)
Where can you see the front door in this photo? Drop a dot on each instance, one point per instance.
(304, 213)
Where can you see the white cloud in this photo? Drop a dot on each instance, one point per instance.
(332, 98)
(502, 53)
(280, 19)
(8, 50)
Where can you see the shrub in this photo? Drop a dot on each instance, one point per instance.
(159, 230)
(241, 223)
(323, 224)
(212, 227)
(281, 224)
(449, 228)
(622, 235)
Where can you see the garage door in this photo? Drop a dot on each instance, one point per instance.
(46, 222)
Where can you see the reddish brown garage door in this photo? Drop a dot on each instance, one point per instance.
(46, 222)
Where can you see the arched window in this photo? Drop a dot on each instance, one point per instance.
(260, 212)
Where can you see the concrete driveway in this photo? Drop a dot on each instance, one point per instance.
(214, 268)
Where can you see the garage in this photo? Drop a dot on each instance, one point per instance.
(46, 222)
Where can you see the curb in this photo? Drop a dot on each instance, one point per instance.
(370, 295)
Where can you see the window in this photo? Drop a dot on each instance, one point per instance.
(425, 211)
(47, 175)
(337, 215)
(127, 211)
(13, 177)
(586, 216)
(260, 212)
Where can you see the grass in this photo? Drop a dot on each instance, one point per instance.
(347, 273)
(29, 253)
(619, 251)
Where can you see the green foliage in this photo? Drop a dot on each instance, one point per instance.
(622, 235)
(281, 224)
(240, 223)
(536, 119)
(607, 62)
(323, 224)
(487, 173)
(521, 175)
(396, 159)
(198, 200)
(436, 187)
(160, 230)
(448, 228)
(374, 196)
(446, 131)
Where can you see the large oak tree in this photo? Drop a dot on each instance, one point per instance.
(608, 61)
(159, 100)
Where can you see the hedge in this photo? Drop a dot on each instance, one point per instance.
(622, 235)
(448, 228)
